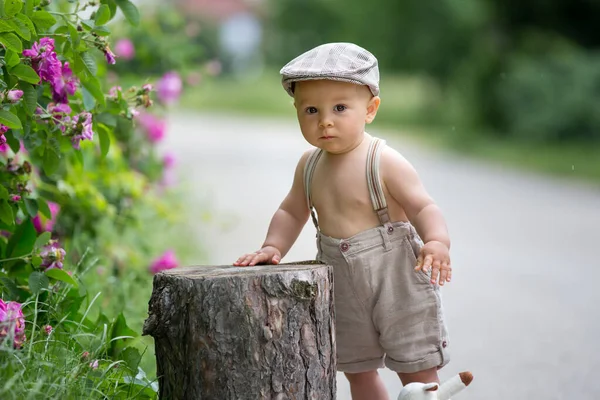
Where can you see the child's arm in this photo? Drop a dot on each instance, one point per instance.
(286, 224)
(404, 184)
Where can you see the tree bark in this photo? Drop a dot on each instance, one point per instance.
(264, 332)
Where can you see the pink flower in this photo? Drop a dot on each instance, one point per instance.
(43, 59)
(82, 126)
(166, 261)
(94, 364)
(52, 256)
(14, 95)
(124, 48)
(155, 128)
(169, 160)
(169, 88)
(15, 198)
(213, 67)
(85, 355)
(41, 223)
(48, 329)
(3, 130)
(64, 84)
(194, 78)
(114, 91)
(147, 87)
(110, 57)
(12, 322)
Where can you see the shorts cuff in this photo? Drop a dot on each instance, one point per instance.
(361, 366)
(437, 359)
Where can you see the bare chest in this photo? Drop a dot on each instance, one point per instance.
(341, 186)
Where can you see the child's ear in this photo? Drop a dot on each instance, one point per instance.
(372, 108)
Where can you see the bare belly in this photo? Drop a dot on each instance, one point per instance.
(343, 223)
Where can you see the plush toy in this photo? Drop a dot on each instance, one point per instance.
(435, 391)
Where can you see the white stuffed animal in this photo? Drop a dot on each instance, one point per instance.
(434, 391)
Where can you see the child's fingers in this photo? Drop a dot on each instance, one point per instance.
(419, 262)
(244, 260)
(259, 257)
(444, 273)
(427, 262)
(435, 270)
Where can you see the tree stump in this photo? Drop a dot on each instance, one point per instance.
(225, 332)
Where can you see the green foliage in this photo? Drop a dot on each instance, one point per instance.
(84, 207)
(482, 54)
(165, 40)
(552, 98)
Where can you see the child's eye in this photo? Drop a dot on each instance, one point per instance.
(340, 107)
(311, 110)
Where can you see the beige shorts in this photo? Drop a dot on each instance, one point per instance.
(386, 313)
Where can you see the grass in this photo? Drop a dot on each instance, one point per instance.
(412, 105)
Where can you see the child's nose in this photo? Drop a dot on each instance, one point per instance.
(325, 122)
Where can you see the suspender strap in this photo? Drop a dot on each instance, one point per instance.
(374, 181)
(309, 170)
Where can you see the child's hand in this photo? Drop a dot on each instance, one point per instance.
(435, 255)
(266, 255)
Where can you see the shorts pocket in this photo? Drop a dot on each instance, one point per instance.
(412, 249)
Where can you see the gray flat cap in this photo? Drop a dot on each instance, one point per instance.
(344, 62)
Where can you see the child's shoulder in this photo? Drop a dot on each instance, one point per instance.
(393, 160)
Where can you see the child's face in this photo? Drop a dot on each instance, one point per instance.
(333, 114)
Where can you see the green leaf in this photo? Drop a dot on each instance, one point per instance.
(132, 357)
(7, 26)
(119, 329)
(93, 86)
(28, 9)
(106, 118)
(43, 20)
(44, 209)
(22, 240)
(12, 7)
(6, 212)
(130, 11)
(9, 119)
(104, 140)
(11, 58)
(31, 206)
(11, 287)
(27, 22)
(36, 261)
(78, 156)
(51, 161)
(3, 192)
(112, 6)
(61, 275)
(42, 240)
(101, 31)
(102, 15)
(30, 97)
(88, 23)
(23, 29)
(89, 102)
(89, 63)
(38, 281)
(12, 140)
(11, 42)
(25, 73)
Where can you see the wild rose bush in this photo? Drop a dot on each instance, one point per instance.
(85, 203)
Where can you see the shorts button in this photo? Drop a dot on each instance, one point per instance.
(390, 230)
(444, 344)
(344, 246)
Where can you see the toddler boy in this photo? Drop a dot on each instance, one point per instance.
(377, 226)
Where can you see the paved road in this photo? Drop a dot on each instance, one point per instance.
(523, 306)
